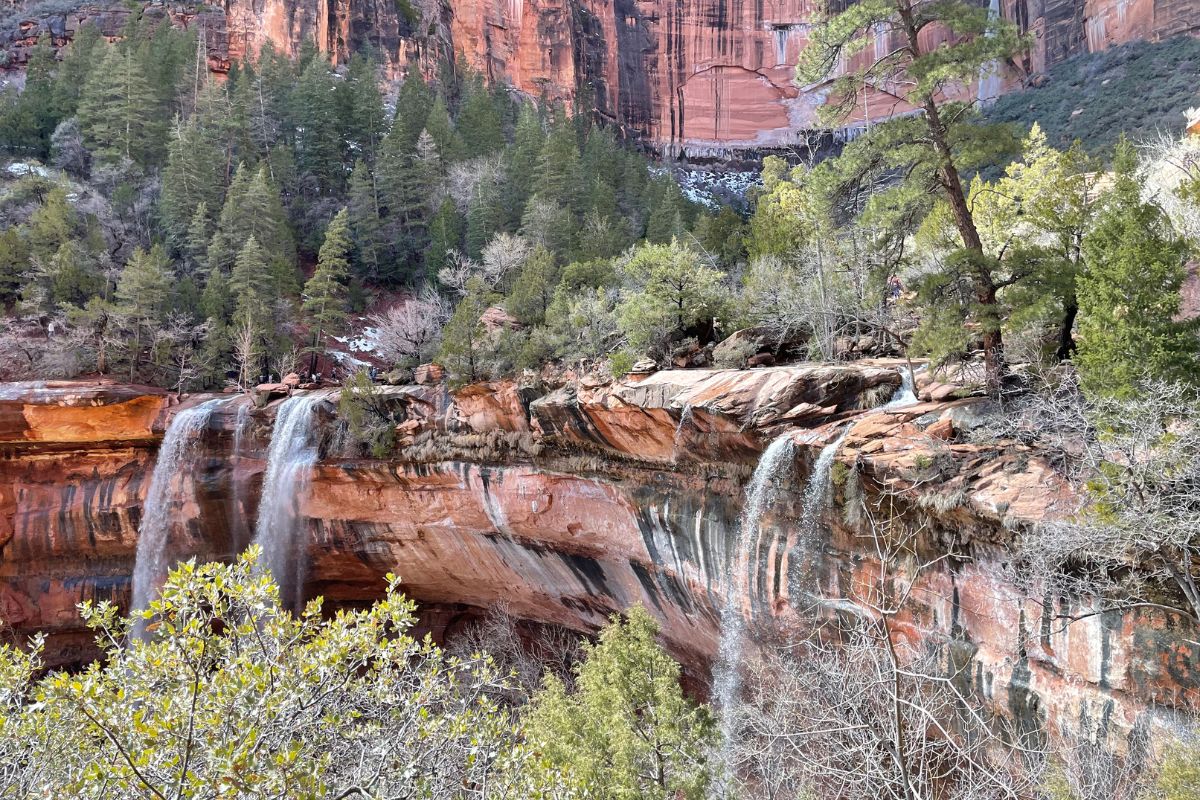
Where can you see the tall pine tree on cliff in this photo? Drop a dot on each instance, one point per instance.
(932, 149)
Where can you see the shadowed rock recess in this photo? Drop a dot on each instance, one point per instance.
(568, 505)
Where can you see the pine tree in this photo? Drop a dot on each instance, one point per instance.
(445, 234)
(533, 290)
(325, 292)
(933, 149)
(522, 159)
(250, 284)
(194, 175)
(117, 111)
(143, 290)
(14, 263)
(627, 730)
(440, 128)
(195, 244)
(1129, 296)
(558, 180)
(361, 108)
(479, 121)
(79, 61)
(319, 147)
(363, 207)
(465, 339)
(413, 105)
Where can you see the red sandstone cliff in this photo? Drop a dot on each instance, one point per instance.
(583, 501)
(703, 75)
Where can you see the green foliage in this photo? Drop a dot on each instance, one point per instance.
(370, 426)
(227, 694)
(1129, 297)
(627, 732)
(465, 341)
(325, 293)
(119, 111)
(670, 291)
(534, 288)
(1179, 773)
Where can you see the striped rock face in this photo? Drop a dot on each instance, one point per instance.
(566, 506)
(712, 78)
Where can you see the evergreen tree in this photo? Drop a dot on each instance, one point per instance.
(533, 290)
(438, 124)
(194, 176)
(143, 290)
(558, 179)
(118, 111)
(79, 60)
(14, 263)
(479, 121)
(363, 207)
(195, 245)
(445, 234)
(668, 293)
(627, 730)
(413, 105)
(325, 292)
(361, 108)
(319, 147)
(931, 150)
(465, 339)
(1129, 296)
(522, 160)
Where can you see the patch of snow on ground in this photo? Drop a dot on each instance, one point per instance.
(713, 189)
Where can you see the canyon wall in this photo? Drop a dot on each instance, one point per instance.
(702, 77)
(565, 506)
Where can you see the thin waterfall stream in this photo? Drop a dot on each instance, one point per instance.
(769, 475)
(290, 458)
(175, 455)
(760, 493)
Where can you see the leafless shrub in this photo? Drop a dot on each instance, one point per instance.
(526, 651)
(410, 330)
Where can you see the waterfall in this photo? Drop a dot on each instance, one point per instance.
(769, 475)
(906, 395)
(773, 465)
(174, 459)
(238, 529)
(290, 458)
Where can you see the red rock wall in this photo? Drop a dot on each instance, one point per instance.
(702, 75)
(598, 521)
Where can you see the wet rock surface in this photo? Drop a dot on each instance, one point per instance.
(618, 494)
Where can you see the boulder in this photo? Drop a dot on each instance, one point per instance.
(292, 380)
(496, 320)
(428, 374)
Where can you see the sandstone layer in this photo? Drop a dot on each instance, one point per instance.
(566, 506)
(702, 77)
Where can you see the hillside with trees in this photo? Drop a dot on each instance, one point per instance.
(163, 227)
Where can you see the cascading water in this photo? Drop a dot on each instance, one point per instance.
(775, 462)
(906, 395)
(239, 529)
(816, 495)
(290, 458)
(174, 456)
(771, 472)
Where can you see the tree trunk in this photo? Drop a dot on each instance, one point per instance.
(964, 221)
(1066, 343)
